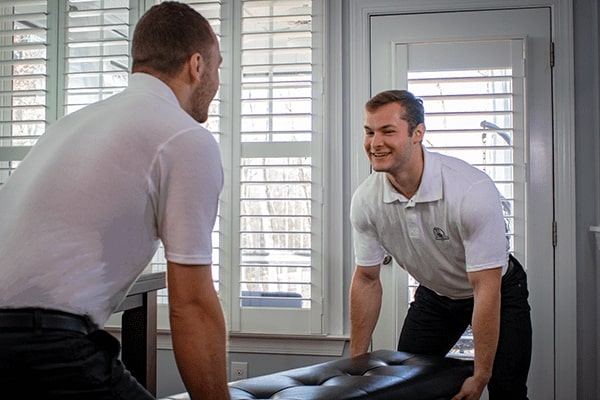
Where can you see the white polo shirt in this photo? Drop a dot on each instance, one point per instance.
(83, 214)
(452, 225)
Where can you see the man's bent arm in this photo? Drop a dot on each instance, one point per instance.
(486, 329)
(198, 331)
(365, 305)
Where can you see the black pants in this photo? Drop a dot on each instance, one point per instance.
(64, 365)
(435, 323)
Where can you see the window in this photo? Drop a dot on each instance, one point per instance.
(57, 57)
(470, 115)
(276, 167)
(264, 234)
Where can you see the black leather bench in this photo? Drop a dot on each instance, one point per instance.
(380, 375)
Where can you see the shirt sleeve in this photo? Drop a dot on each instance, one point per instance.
(367, 249)
(191, 180)
(483, 228)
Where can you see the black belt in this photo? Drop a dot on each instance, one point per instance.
(37, 319)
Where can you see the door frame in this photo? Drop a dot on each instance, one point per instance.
(356, 31)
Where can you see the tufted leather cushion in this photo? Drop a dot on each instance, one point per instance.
(380, 375)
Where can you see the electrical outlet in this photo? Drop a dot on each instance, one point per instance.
(239, 370)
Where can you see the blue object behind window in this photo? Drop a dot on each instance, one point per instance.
(255, 298)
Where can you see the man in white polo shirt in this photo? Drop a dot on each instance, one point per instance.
(440, 219)
(84, 213)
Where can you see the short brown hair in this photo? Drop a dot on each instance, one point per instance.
(167, 35)
(414, 113)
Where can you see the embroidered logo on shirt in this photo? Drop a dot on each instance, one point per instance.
(439, 234)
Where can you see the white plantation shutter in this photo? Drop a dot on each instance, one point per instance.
(96, 51)
(264, 238)
(23, 72)
(278, 271)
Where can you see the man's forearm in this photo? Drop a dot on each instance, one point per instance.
(486, 328)
(201, 354)
(365, 305)
(485, 321)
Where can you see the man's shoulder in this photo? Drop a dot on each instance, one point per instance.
(454, 167)
(371, 186)
(369, 194)
(451, 161)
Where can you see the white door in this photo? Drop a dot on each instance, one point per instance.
(485, 78)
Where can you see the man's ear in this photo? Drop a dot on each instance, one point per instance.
(196, 66)
(419, 132)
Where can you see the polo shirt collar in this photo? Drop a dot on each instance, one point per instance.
(430, 189)
(147, 82)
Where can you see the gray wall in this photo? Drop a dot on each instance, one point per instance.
(587, 162)
(169, 381)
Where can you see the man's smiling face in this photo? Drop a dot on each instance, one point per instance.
(389, 144)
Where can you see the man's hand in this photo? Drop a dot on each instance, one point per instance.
(471, 389)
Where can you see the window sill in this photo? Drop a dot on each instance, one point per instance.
(314, 345)
(311, 345)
